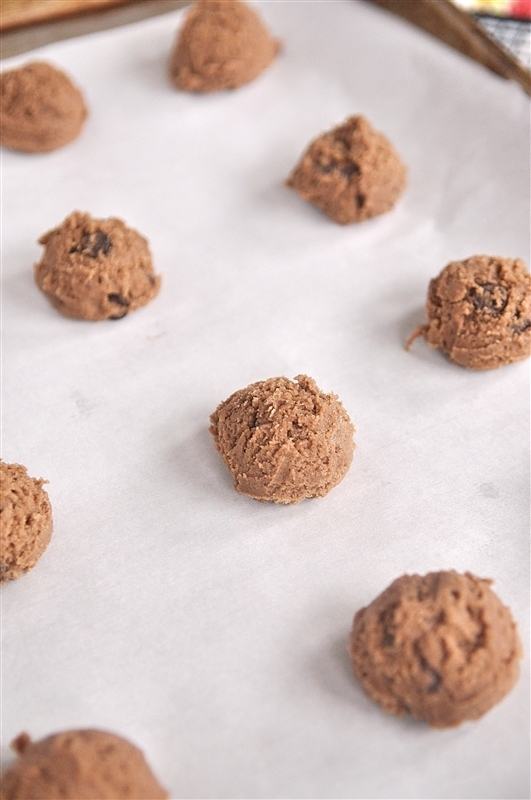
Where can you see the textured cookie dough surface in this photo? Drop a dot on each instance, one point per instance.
(25, 521)
(40, 108)
(479, 312)
(351, 173)
(79, 765)
(284, 440)
(96, 269)
(441, 647)
(222, 44)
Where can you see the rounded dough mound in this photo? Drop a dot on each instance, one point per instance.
(351, 173)
(479, 312)
(283, 440)
(441, 647)
(96, 269)
(79, 764)
(25, 521)
(41, 109)
(223, 44)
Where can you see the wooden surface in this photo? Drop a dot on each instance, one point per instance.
(22, 38)
(18, 13)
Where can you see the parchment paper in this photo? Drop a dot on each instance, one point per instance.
(208, 628)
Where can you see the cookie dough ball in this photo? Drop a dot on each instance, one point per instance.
(351, 173)
(40, 108)
(223, 44)
(25, 521)
(441, 647)
(79, 764)
(479, 312)
(96, 268)
(284, 440)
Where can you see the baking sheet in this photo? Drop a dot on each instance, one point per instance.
(206, 627)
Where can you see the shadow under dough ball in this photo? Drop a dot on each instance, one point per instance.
(25, 521)
(351, 173)
(40, 108)
(79, 764)
(283, 441)
(96, 269)
(222, 44)
(479, 312)
(441, 647)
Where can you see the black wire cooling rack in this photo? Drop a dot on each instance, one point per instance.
(512, 34)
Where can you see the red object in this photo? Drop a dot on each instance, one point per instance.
(520, 9)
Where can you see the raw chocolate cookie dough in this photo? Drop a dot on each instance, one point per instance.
(441, 647)
(40, 108)
(25, 521)
(479, 312)
(284, 440)
(222, 45)
(96, 268)
(351, 173)
(79, 764)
